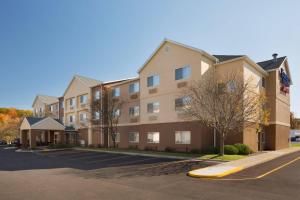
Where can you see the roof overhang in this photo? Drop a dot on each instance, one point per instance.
(247, 59)
(179, 44)
(45, 124)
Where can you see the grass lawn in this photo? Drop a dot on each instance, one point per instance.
(295, 145)
(224, 158)
(175, 154)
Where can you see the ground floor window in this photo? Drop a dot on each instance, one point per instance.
(133, 137)
(153, 137)
(183, 137)
(117, 137)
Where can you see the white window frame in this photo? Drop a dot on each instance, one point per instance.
(184, 139)
(156, 80)
(152, 137)
(135, 88)
(136, 111)
(83, 117)
(97, 95)
(115, 93)
(73, 119)
(72, 102)
(137, 136)
(186, 72)
(155, 107)
(83, 99)
(96, 115)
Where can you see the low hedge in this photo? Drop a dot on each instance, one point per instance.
(230, 150)
(243, 149)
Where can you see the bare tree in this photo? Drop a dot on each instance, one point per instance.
(109, 108)
(227, 104)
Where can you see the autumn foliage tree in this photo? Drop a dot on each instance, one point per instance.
(10, 119)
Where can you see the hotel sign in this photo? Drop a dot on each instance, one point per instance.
(285, 81)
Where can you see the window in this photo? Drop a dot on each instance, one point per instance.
(96, 115)
(116, 92)
(182, 73)
(153, 107)
(263, 82)
(133, 137)
(182, 137)
(71, 118)
(83, 99)
(51, 108)
(134, 111)
(153, 137)
(231, 86)
(83, 117)
(182, 102)
(72, 102)
(134, 87)
(153, 81)
(116, 113)
(97, 95)
(117, 137)
(62, 104)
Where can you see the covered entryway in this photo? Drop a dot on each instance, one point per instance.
(41, 132)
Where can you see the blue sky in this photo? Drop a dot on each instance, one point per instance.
(44, 43)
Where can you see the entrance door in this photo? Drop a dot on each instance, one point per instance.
(261, 141)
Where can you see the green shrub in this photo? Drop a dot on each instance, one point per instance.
(230, 150)
(243, 149)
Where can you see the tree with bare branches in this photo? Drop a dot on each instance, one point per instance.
(228, 104)
(109, 110)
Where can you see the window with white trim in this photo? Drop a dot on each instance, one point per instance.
(83, 99)
(153, 107)
(182, 102)
(153, 81)
(72, 102)
(117, 137)
(97, 95)
(153, 137)
(133, 137)
(71, 118)
(134, 87)
(134, 111)
(116, 113)
(183, 137)
(96, 115)
(182, 73)
(116, 92)
(83, 117)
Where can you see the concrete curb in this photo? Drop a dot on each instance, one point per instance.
(225, 169)
(137, 154)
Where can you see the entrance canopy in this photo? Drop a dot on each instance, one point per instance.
(46, 123)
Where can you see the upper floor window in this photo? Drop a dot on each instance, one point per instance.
(72, 102)
(96, 115)
(183, 137)
(97, 95)
(182, 102)
(263, 82)
(134, 87)
(83, 99)
(153, 107)
(182, 73)
(116, 113)
(71, 118)
(153, 81)
(61, 104)
(134, 111)
(83, 117)
(116, 92)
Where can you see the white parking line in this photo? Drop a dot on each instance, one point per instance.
(109, 159)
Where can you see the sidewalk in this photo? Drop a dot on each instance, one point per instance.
(227, 168)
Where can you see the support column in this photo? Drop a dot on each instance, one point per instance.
(24, 138)
(62, 137)
(32, 138)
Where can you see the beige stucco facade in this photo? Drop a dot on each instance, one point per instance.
(165, 60)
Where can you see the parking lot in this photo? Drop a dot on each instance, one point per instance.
(78, 175)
